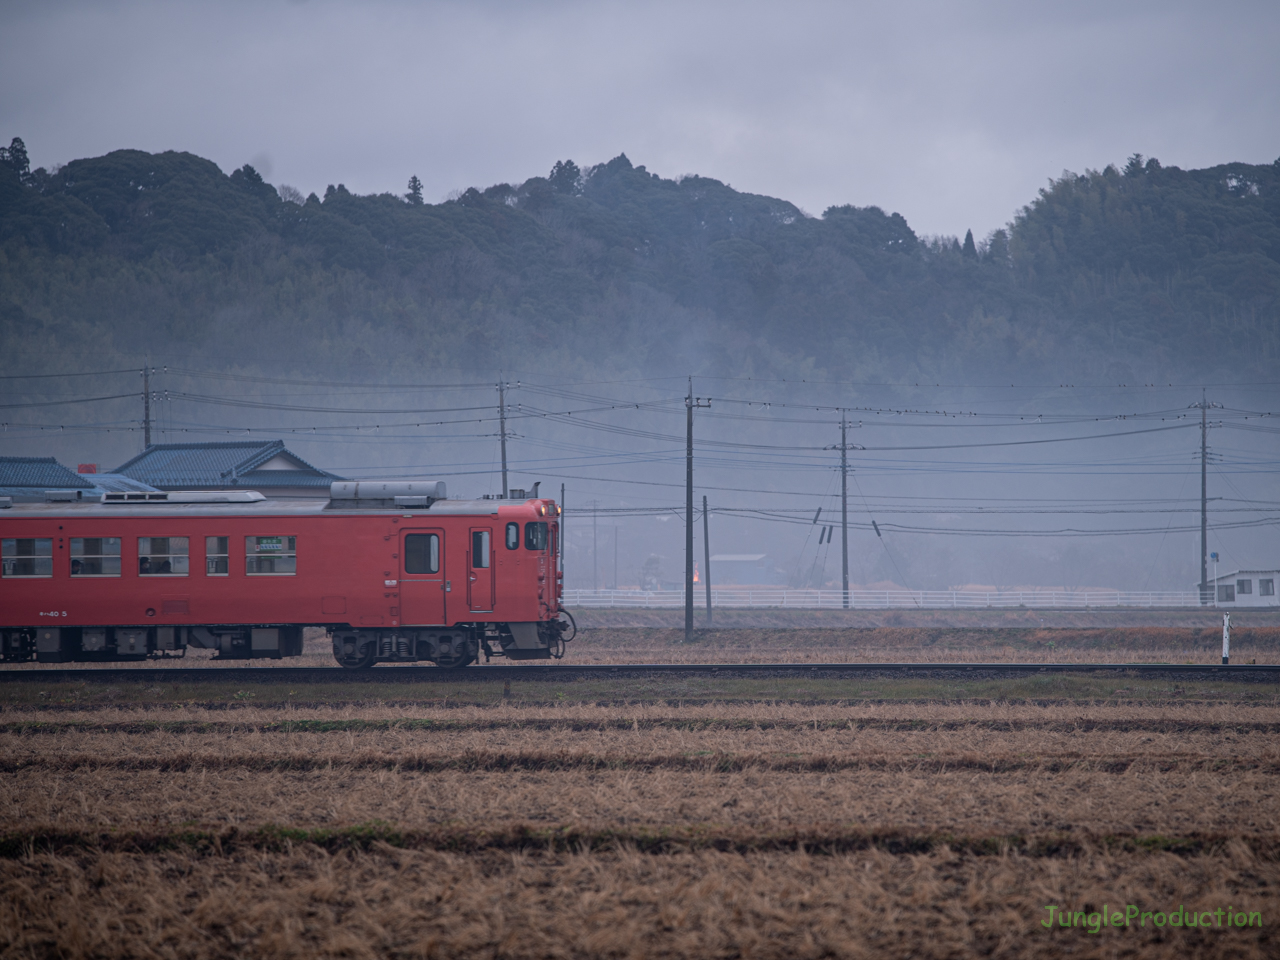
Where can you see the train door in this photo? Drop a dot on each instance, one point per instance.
(424, 591)
(480, 570)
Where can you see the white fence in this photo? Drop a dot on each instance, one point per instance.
(745, 597)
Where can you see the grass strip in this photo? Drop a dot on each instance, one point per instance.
(474, 761)
(231, 692)
(693, 724)
(574, 838)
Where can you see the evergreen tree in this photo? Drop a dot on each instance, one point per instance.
(414, 196)
(969, 249)
(564, 176)
(997, 248)
(15, 156)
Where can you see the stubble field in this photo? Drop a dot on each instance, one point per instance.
(714, 817)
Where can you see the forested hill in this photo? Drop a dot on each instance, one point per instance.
(1139, 274)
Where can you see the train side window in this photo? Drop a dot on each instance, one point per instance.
(535, 536)
(217, 554)
(163, 556)
(95, 556)
(421, 553)
(266, 556)
(480, 549)
(26, 557)
(513, 536)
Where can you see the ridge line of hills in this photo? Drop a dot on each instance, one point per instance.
(1122, 275)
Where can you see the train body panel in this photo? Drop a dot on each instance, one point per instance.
(157, 575)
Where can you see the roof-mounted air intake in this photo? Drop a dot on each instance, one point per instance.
(386, 493)
(184, 496)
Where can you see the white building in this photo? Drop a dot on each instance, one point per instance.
(1247, 588)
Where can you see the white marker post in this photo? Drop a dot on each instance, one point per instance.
(1226, 637)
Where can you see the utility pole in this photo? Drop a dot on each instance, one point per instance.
(844, 512)
(1204, 499)
(502, 432)
(615, 558)
(146, 407)
(706, 556)
(562, 530)
(844, 447)
(690, 402)
(595, 567)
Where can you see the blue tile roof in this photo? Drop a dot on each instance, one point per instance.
(39, 473)
(196, 466)
(117, 483)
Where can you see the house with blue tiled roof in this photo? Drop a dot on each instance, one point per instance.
(267, 467)
(32, 479)
(28, 479)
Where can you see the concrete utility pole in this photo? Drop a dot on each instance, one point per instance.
(844, 447)
(844, 512)
(146, 407)
(561, 530)
(690, 403)
(1204, 499)
(595, 566)
(502, 432)
(706, 557)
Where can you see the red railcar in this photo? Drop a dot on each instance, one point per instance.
(394, 571)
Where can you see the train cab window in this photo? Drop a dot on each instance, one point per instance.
(421, 553)
(535, 536)
(95, 556)
(513, 536)
(163, 556)
(480, 549)
(217, 553)
(26, 557)
(265, 556)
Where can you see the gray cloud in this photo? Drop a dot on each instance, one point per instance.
(953, 114)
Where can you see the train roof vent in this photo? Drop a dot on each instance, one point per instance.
(422, 493)
(185, 496)
(63, 496)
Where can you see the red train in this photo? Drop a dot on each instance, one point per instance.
(394, 570)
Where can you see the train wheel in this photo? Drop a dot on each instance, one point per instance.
(362, 658)
(456, 661)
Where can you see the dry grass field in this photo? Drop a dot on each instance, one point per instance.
(923, 644)
(868, 815)
(904, 828)
(741, 640)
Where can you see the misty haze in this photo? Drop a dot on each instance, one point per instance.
(573, 480)
(1021, 409)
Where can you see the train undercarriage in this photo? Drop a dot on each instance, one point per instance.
(450, 647)
(456, 646)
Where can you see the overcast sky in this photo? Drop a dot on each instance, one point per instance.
(953, 114)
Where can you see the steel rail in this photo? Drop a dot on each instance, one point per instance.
(1261, 672)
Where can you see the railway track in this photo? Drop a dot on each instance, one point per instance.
(561, 672)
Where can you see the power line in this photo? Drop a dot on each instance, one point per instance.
(49, 376)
